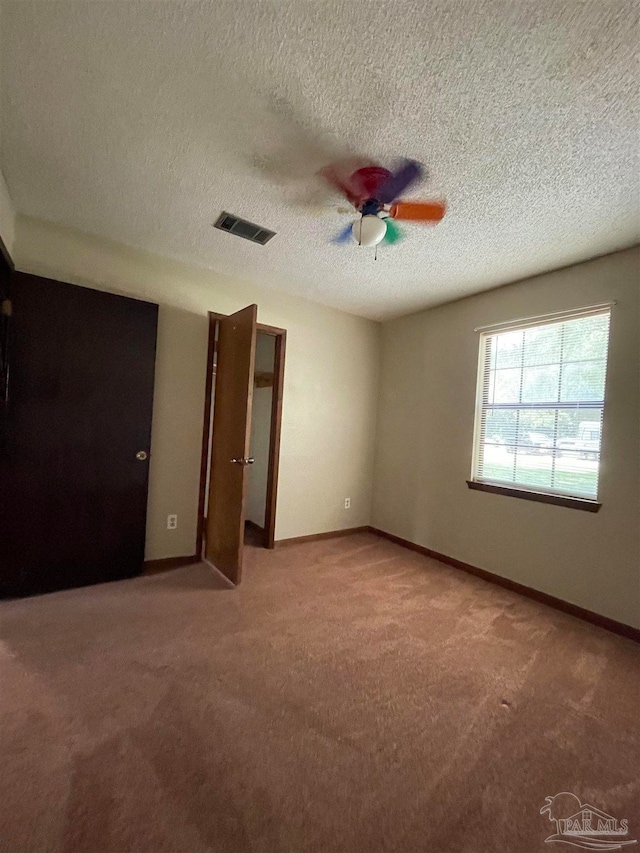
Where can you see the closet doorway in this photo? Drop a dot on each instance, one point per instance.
(243, 409)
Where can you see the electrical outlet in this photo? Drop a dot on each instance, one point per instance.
(172, 522)
(347, 503)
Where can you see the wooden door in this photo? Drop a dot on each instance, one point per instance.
(224, 532)
(74, 464)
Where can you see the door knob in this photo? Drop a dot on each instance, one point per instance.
(141, 455)
(244, 461)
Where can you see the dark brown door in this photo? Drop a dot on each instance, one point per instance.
(231, 440)
(74, 463)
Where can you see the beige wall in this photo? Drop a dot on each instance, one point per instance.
(330, 391)
(425, 417)
(7, 216)
(424, 444)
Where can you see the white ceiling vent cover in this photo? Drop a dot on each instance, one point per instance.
(241, 228)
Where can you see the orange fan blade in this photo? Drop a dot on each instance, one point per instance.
(419, 211)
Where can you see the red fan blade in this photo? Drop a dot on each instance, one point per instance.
(368, 179)
(419, 211)
(332, 175)
(341, 176)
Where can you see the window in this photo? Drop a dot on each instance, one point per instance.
(540, 405)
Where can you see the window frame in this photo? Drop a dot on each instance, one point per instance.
(522, 490)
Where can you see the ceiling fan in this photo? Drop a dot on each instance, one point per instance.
(375, 194)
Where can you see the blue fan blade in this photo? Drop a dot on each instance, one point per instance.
(344, 235)
(407, 174)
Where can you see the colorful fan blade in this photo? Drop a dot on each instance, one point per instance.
(407, 174)
(337, 179)
(344, 235)
(340, 176)
(365, 181)
(419, 211)
(394, 234)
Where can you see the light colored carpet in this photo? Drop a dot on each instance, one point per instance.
(350, 696)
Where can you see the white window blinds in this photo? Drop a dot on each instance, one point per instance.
(540, 405)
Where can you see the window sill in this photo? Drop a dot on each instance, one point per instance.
(542, 497)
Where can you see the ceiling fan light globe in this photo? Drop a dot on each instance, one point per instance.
(369, 230)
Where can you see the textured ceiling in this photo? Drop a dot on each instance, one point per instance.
(140, 121)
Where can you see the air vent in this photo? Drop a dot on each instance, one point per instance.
(241, 228)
